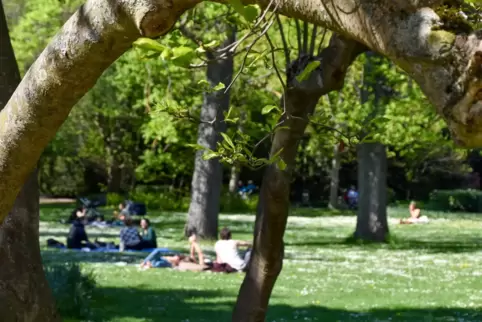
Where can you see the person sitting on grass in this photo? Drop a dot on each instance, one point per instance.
(130, 238)
(179, 261)
(228, 257)
(415, 215)
(77, 237)
(147, 233)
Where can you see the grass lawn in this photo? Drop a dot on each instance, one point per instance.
(429, 272)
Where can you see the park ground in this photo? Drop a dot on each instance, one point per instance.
(427, 272)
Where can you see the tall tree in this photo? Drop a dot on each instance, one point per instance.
(299, 100)
(24, 291)
(372, 158)
(207, 179)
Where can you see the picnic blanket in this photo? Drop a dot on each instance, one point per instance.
(116, 250)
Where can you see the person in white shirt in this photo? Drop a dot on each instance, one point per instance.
(227, 251)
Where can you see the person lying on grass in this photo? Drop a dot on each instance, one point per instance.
(179, 261)
(228, 256)
(148, 234)
(415, 215)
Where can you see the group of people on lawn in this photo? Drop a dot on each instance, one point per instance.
(229, 257)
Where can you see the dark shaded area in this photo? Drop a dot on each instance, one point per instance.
(189, 304)
(466, 245)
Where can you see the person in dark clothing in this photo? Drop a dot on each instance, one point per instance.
(77, 237)
(130, 238)
(147, 233)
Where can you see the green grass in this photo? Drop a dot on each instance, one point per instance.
(426, 273)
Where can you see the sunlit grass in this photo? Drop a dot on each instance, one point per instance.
(426, 273)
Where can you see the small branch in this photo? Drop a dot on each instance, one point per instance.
(243, 64)
(313, 40)
(298, 37)
(283, 39)
(305, 37)
(320, 45)
(274, 60)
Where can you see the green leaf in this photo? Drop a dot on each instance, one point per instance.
(208, 155)
(278, 153)
(219, 86)
(227, 139)
(238, 6)
(251, 12)
(281, 164)
(307, 71)
(195, 146)
(268, 108)
(233, 120)
(181, 51)
(149, 44)
(211, 44)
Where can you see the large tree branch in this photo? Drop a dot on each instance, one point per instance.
(92, 39)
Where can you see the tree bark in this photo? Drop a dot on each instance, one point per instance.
(233, 179)
(235, 170)
(372, 180)
(24, 291)
(207, 179)
(335, 177)
(446, 64)
(300, 101)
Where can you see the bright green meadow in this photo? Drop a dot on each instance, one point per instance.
(429, 272)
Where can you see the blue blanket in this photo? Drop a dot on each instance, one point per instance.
(115, 250)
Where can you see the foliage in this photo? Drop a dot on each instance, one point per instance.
(232, 203)
(139, 123)
(456, 200)
(72, 289)
(178, 201)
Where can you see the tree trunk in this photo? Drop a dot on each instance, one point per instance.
(373, 213)
(300, 101)
(372, 180)
(114, 180)
(24, 291)
(207, 179)
(335, 177)
(235, 170)
(233, 180)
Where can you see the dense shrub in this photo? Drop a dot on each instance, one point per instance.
(233, 203)
(456, 200)
(114, 199)
(72, 289)
(179, 201)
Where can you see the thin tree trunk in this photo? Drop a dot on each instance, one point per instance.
(372, 222)
(233, 180)
(24, 291)
(335, 177)
(235, 170)
(300, 100)
(207, 179)
(372, 213)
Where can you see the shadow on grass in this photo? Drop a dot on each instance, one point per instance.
(466, 245)
(60, 256)
(189, 304)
